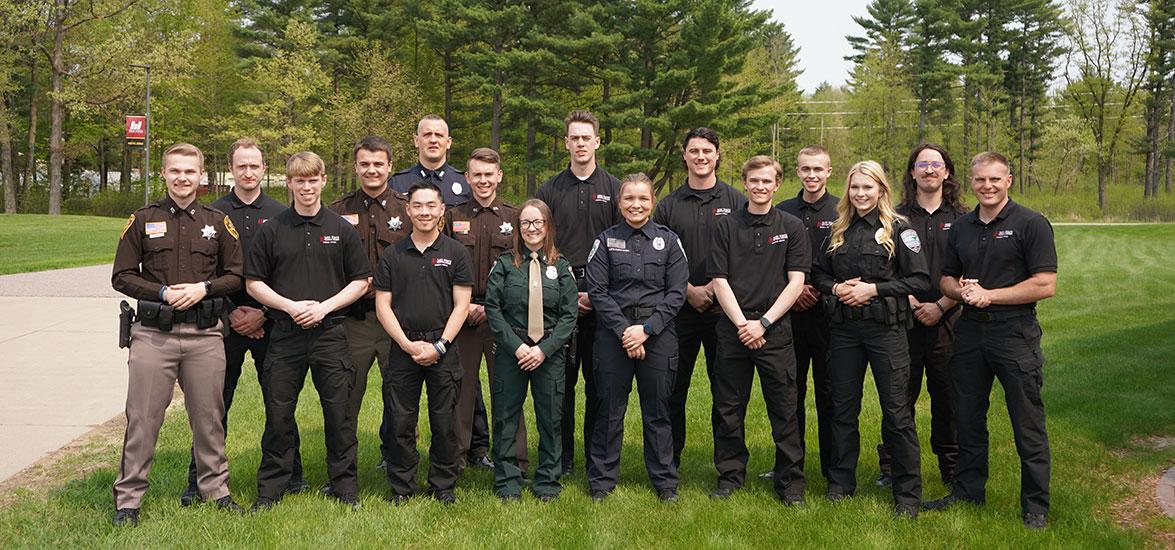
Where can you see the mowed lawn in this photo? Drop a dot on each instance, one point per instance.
(36, 242)
(1109, 389)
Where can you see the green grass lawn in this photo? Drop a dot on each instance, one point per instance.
(1109, 386)
(35, 242)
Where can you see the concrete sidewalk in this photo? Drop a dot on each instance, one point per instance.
(61, 372)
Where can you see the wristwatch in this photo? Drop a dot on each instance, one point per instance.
(207, 287)
(765, 322)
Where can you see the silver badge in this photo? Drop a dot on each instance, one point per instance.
(456, 188)
(506, 228)
(552, 273)
(910, 239)
(659, 243)
(878, 234)
(395, 224)
(208, 232)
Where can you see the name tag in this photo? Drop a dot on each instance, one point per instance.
(460, 226)
(617, 244)
(156, 229)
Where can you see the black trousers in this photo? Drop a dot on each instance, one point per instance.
(733, 377)
(810, 340)
(584, 341)
(852, 345)
(235, 346)
(654, 384)
(1010, 351)
(402, 383)
(694, 330)
(930, 352)
(324, 352)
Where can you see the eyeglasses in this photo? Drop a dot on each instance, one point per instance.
(535, 224)
(936, 165)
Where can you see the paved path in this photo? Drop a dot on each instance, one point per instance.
(61, 372)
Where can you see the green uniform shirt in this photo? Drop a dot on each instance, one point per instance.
(506, 302)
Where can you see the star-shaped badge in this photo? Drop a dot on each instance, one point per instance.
(395, 224)
(208, 232)
(506, 228)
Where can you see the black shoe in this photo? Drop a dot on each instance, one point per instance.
(792, 500)
(883, 480)
(769, 474)
(836, 495)
(383, 464)
(512, 497)
(399, 500)
(667, 495)
(482, 462)
(327, 490)
(296, 486)
(125, 516)
(599, 496)
(445, 497)
(905, 511)
(943, 503)
(191, 496)
(349, 500)
(228, 504)
(722, 493)
(261, 504)
(1036, 521)
(548, 497)
(566, 471)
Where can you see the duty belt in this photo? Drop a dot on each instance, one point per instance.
(424, 335)
(579, 272)
(327, 322)
(638, 313)
(521, 332)
(993, 316)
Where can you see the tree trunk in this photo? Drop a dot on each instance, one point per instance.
(1103, 168)
(1170, 141)
(531, 178)
(30, 171)
(447, 60)
(56, 109)
(6, 160)
(124, 177)
(102, 165)
(496, 114)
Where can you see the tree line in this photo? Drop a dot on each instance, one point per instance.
(1052, 84)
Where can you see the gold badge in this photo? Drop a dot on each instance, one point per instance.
(228, 226)
(129, 222)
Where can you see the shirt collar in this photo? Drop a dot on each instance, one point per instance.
(316, 220)
(872, 218)
(476, 207)
(813, 205)
(407, 245)
(702, 193)
(381, 199)
(625, 231)
(174, 210)
(235, 201)
(755, 219)
(1004, 212)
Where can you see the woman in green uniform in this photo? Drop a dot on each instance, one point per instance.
(530, 302)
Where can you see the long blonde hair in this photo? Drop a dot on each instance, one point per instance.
(885, 210)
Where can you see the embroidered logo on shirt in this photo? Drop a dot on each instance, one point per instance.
(776, 239)
(1003, 233)
(602, 198)
(945, 226)
(441, 262)
(824, 224)
(911, 240)
(460, 226)
(329, 239)
(720, 212)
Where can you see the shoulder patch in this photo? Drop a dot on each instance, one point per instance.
(910, 239)
(228, 226)
(595, 247)
(129, 222)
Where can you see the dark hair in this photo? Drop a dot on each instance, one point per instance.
(549, 249)
(244, 143)
(950, 186)
(373, 144)
(581, 115)
(762, 161)
(703, 133)
(486, 155)
(424, 185)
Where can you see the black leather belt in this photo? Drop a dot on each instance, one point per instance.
(424, 335)
(289, 324)
(579, 272)
(522, 333)
(994, 316)
(638, 313)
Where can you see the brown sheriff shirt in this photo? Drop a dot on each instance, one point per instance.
(163, 244)
(486, 232)
(381, 221)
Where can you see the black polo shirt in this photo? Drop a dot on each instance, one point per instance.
(637, 268)
(422, 283)
(1017, 244)
(307, 259)
(454, 187)
(817, 218)
(933, 230)
(248, 219)
(582, 210)
(692, 215)
(754, 253)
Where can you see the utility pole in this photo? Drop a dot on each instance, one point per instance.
(147, 141)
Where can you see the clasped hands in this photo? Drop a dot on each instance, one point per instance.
(854, 292)
(974, 295)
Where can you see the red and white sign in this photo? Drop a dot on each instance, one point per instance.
(136, 130)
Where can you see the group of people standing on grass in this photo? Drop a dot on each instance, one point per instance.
(430, 272)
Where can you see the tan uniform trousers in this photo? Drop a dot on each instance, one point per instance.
(474, 343)
(367, 341)
(195, 357)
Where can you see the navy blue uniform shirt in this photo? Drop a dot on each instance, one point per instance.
(454, 187)
(637, 268)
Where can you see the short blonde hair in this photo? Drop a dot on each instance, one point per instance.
(305, 164)
(762, 161)
(184, 150)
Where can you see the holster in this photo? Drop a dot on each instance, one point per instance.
(572, 346)
(831, 304)
(156, 315)
(126, 318)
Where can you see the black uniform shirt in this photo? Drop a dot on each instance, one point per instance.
(933, 231)
(862, 256)
(307, 259)
(692, 214)
(817, 218)
(1015, 245)
(163, 244)
(422, 283)
(754, 253)
(637, 268)
(248, 218)
(582, 210)
(454, 186)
